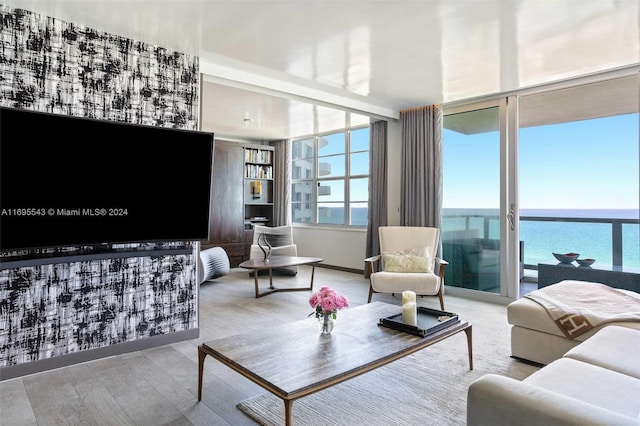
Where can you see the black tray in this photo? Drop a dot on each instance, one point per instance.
(428, 322)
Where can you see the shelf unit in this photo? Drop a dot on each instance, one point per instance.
(258, 185)
(242, 196)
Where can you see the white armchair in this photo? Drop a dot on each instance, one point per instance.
(407, 261)
(281, 240)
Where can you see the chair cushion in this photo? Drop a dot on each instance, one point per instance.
(412, 260)
(396, 282)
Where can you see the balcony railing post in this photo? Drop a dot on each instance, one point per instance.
(616, 242)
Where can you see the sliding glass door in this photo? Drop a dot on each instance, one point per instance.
(473, 214)
(579, 177)
(554, 169)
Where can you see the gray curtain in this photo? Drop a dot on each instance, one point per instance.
(282, 183)
(377, 208)
(421, 174)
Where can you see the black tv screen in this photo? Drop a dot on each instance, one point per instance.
(69, 181)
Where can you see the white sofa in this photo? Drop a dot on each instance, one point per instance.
(596, 382)
(536, 337)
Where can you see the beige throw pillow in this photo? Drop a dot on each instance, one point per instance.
(413, 260)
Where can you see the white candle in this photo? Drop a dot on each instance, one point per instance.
(408, 296)
(410, 313)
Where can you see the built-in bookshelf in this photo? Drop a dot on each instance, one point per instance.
(240, 167)
(258, 190)
(258, 163)
(258, 185)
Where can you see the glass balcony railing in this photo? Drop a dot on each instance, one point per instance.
(610, 240)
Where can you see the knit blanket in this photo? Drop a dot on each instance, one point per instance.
(579, 306)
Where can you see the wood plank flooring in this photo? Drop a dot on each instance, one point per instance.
(158, 386)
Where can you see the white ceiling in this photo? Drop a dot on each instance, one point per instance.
(292, 67)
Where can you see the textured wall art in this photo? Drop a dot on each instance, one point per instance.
(53, 66)
(52, 310)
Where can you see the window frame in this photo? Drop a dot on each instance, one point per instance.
(316, 180)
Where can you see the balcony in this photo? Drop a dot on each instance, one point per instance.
(612, 241)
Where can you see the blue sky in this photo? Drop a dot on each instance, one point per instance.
(587, 164)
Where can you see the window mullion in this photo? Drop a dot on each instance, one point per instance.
(347, 176)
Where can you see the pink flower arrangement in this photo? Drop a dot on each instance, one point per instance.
(327, 302)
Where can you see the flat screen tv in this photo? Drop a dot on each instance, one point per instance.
(69, 181)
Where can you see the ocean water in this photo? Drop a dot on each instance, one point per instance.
(542, 238)
(335, 216)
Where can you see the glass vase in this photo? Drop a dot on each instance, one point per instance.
(326, 324)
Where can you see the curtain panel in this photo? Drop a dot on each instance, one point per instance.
(282, 183)
(377, 208)
(421, 175)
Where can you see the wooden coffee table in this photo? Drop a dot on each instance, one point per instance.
(275, 262)
(295, 366)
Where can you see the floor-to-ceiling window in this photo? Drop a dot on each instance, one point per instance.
(579, 173)
(549, 169)
(330, 177)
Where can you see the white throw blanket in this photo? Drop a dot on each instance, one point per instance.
(578, 306)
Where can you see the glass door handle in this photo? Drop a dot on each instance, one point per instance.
(511, 217)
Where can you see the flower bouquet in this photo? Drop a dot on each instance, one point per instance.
(327, 302)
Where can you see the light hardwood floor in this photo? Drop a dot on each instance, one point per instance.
(158, 386)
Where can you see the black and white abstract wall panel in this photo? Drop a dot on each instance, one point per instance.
(55, 66)
(53, 310)
(49, 310)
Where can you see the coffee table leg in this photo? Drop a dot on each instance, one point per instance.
(201, 355)
(288, 405)
(313, 270)
(255, 280)
(469, 346)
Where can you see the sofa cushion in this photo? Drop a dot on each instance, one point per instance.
(592, 384)
(494, 400)
(538, 347)
(613, 347)
(529, 314)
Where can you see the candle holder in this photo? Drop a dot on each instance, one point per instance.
(429, 321)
